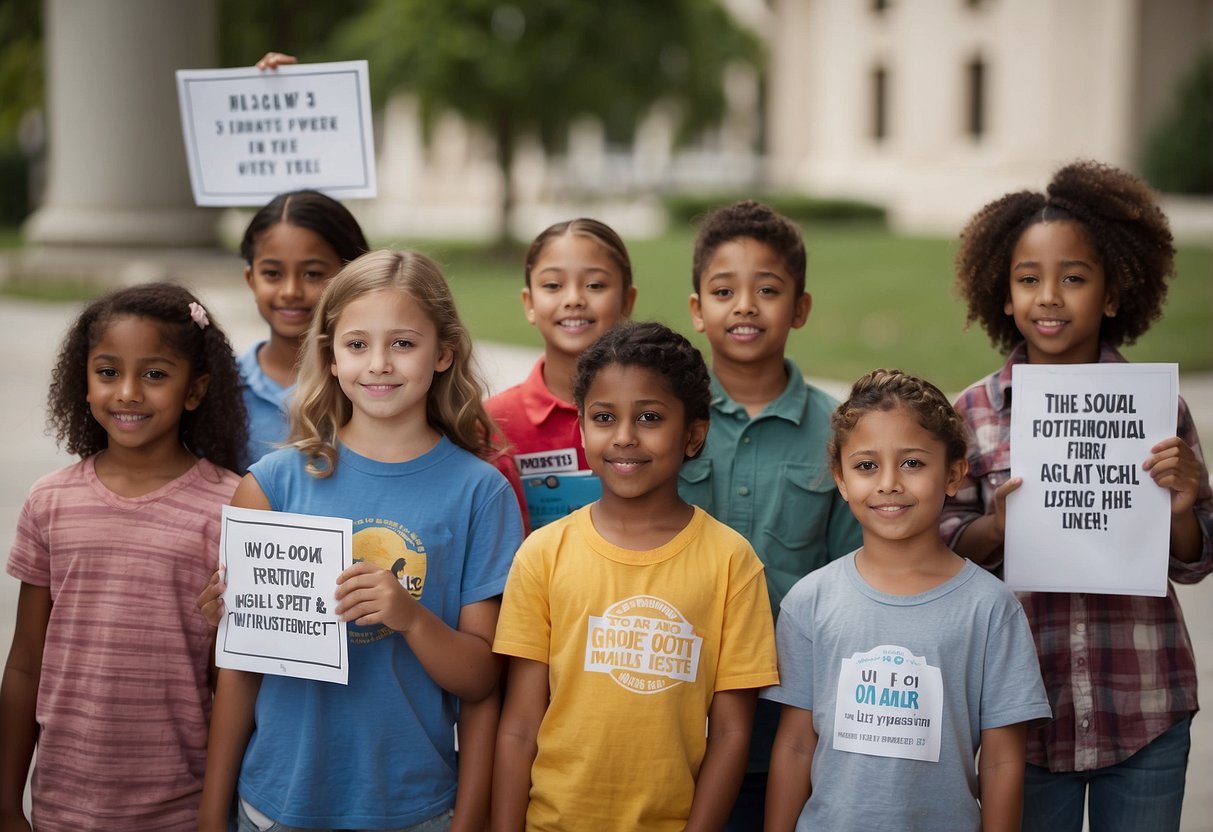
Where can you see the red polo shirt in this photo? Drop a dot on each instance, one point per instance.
(540, 428)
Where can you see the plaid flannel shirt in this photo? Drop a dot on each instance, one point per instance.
(1119, 669)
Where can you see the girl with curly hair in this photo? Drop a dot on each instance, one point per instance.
(109, 671)
(1064, 277)
(631, 621)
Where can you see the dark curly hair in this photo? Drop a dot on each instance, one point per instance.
(654, 347)
(599, 232)
(1121, 219)
(757, 221)
(216, 429)
(886, 389)
(311, 210)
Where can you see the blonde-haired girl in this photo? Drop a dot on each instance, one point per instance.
(385, 429)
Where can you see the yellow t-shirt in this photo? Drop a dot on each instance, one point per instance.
(636, 644)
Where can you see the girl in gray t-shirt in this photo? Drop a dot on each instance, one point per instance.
(899, 661)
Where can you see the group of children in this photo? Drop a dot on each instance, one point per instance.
(689, 651)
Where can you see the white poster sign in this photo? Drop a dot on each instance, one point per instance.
(252, 134)
(281, 574)
(1088, 518)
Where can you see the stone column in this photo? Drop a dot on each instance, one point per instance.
(116, 172)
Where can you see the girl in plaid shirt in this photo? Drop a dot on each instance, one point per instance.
(1066, 277)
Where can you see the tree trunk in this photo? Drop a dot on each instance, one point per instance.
(504, 135)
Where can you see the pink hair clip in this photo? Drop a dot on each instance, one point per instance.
(198, 315)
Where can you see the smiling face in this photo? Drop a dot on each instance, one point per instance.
(385, 355)
(747, 303)
(636, 434)
(575, 293)
(291, 266)
(138, 387)
(895, 475)
(1058, 294)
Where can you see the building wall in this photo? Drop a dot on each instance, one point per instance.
(1062, 79)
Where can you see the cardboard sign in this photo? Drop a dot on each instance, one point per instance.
(1088, 518)
(252, 134)
(281, 577)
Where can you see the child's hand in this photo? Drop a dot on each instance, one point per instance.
(210, 602)
(1173, 465)
(1000, 504)
(273, 60)
(369, 595)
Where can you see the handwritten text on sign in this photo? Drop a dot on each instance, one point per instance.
(251, 135)
(1088, 518)
(281, 574)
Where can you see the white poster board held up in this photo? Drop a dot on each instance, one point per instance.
(252, 134)
(281, 574)
(1088, 518)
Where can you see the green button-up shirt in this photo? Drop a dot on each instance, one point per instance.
(768, 478)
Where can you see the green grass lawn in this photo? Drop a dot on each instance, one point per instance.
(879, 300)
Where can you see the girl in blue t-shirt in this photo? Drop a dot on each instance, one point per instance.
(386, 425)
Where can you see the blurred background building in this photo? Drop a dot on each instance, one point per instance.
(504, 116)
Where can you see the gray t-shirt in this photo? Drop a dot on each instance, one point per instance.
(901, 687)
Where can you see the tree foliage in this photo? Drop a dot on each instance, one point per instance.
(1179, 153)
(536, 65)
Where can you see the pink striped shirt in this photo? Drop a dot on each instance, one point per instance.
(124, 701)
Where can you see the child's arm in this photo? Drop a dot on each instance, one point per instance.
(477, 741)
(18, 701)
(1000, 776)
(730, 720)
(789, 784)
(526, 702)
(232, 714)
(460, 660)
(231, 726)
(984, 536)
(1173, 465)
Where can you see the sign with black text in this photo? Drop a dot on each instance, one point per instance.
(1088, 517)
(281, 573)
(252, 134)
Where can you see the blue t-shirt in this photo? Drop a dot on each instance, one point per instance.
(379, 752)
(267, 403)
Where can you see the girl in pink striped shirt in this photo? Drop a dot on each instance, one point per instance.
(109, 671)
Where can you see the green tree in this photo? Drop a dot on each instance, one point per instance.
(535, 65)
(1179, 153)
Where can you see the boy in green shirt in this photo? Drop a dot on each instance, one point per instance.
(763, 470)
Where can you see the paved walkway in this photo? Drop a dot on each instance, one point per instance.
(29, 337)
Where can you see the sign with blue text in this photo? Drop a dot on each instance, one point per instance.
(281, 572)
(252, 134)
(1088, 517)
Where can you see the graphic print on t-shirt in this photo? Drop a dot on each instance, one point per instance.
(889, 704)
(644, 643)
(390, 546)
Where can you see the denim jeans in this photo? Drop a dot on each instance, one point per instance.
(1144, 793)
(244, 823)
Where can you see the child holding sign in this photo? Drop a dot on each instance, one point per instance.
(291, 249)
(109, 671)
(1066, 277)
(632, 621)
(386, 426)
(900, 660)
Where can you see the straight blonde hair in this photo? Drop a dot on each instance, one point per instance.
(454, 404)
